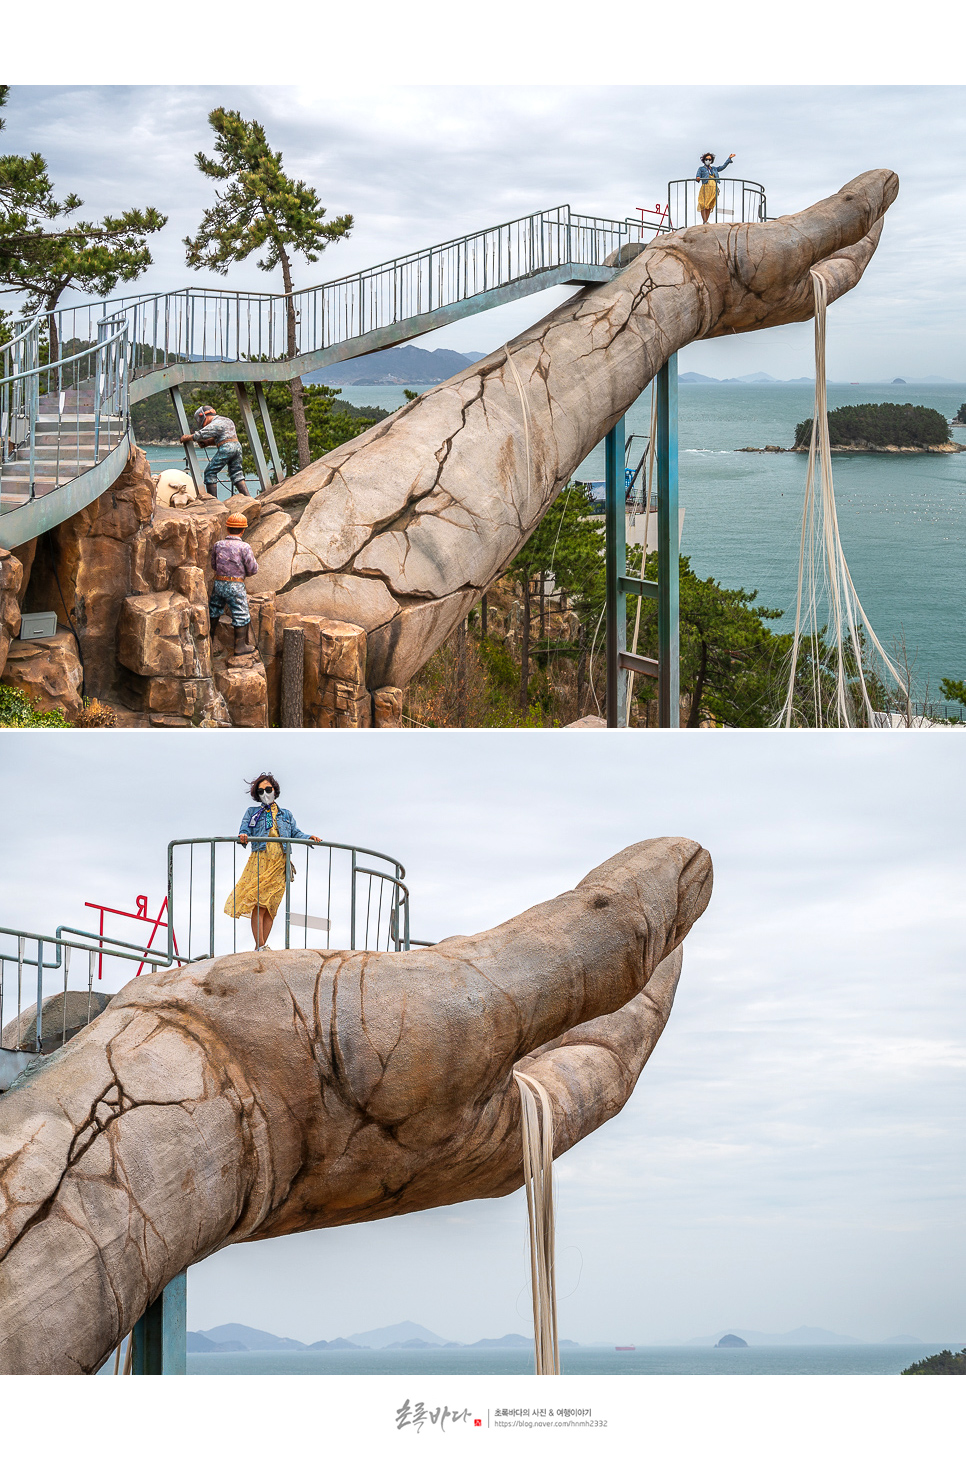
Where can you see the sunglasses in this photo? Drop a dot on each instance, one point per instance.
(260, 790)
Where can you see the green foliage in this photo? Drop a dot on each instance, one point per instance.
(881, 425)
(960, 415)
(40, 262)
(731, 664)
(566, 543)
(18, 713)
(260, 208)
(942, 1363)
(954, 689)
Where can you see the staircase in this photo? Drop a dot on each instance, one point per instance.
(64, 447)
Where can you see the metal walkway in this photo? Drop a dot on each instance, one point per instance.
(65, 427)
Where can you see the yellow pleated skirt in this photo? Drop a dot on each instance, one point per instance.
(708, 194)
(261, 884)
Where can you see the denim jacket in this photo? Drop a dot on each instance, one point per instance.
(257, 819)
(705, 173)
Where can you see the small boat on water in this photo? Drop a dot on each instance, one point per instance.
(625, 1348)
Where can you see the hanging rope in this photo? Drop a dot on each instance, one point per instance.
(830, 622)
(537, 1132)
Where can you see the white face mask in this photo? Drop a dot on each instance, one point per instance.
(266, 797)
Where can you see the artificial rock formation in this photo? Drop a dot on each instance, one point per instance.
(401, 530)
(265, 1093)
(48, 671)
(11, 577)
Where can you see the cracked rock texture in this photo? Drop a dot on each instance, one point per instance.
(265, 1093)
(48, 671)
(11, 578)
(401, 530)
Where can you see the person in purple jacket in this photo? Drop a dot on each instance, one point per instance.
(233, 562)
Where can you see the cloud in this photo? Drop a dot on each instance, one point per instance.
(419, 165)
(793, 1152)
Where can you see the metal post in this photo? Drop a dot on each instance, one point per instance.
(668, 548)
(38, 1023)
(191, 451)
(160, 1336)
(254, 440)
(615, 553)
(269, 431)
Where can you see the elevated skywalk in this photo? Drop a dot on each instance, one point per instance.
(150, 343)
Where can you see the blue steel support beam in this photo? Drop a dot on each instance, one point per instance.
(668, 548)
(615, 555)
(160, 1337)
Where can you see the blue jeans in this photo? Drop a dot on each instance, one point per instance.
(231, 596)
(229, 454)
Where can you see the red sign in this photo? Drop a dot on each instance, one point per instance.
(141, 915)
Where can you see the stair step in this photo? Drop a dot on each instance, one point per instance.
(20, 470)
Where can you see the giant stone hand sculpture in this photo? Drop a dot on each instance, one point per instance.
(401, 530)
(259, 1094)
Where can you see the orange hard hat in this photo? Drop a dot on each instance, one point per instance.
(237, 520)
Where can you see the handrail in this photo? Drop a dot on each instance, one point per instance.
(397, 926)
(53, 366)
(64, 948)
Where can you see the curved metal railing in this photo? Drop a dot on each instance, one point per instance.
(341, 896)
(58, 420)
(128, 348)
(333, 892)
(737, 201)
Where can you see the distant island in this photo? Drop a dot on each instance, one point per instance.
(731, 1340)
(400, 365)
(408, 1336)
(886, 427)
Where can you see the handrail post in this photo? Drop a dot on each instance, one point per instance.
(668, 548)
(288, 890)
(211, 907)
(615, 550)
(38, 1023)
(352, 912)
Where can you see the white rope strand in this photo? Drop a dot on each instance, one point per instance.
(537, 1133)
(825, 587)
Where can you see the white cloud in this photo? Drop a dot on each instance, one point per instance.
(793, 1153)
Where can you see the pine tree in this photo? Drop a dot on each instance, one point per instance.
(42, 263)
(261, 207)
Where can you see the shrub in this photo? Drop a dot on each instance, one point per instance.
(881, 425)
(95, 716)
(17, 712)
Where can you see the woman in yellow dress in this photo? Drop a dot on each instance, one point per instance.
(708, 175)
(261, 886)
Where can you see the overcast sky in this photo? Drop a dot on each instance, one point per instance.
(419, 165)
(794, 1150)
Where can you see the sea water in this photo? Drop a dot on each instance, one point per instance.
(902, 517)
(865, 1358)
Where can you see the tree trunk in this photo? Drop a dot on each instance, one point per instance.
(293, 677)
(295, 385)
(52, 335)
(694, 717)
(581, 670)
(483, 607)
(461, 673)
(543, 605)
(525, 650)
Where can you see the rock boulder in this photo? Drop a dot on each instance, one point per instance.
(48, 671)
(11, 577)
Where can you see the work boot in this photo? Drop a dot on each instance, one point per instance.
(244, 648)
